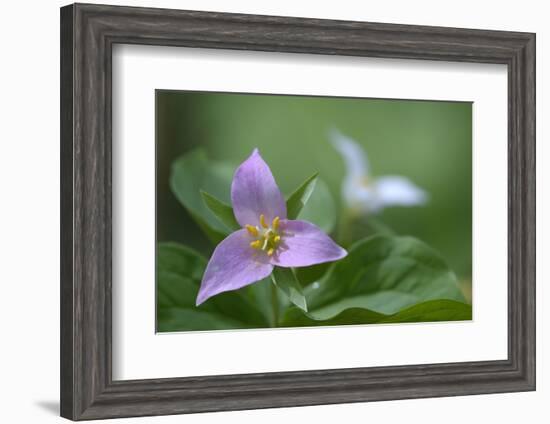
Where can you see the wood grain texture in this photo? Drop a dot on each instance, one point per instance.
(88, 33)
(66, 211)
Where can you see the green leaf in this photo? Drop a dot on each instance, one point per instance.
(179, 272)
(213, 234)
(187, 319)
(260, 294)
(309, 274)
(193, 172)
(384, 274)
(179, 259)
(286, 282)
(384, 279)
(320, 208)
(430, 311)
(221, 210)
(298, 199)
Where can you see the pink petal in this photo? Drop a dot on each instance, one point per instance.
(304, 244)
(254, 192)
(234, 264)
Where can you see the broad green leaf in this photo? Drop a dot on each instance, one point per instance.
(310, 274)
(384, 279)
(386, 301)
(430, 311)
(179, 272)
(221, 210)
(298, 199)
(384, 274)
(214, 235)
(260, 294)
(193, 172)
(179, 259)
(286, 282)
(320, 208)
(295, 317)
(187, 319)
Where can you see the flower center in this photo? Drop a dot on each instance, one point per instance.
(267, 237)
(365, 181)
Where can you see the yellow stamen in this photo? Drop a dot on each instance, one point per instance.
(275, 223)
(253, 231)
(277, 239)
(262, 221)
(256, 244)
(270, 252)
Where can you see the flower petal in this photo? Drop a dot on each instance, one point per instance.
(358, 195)
(398, 191)
(304, 244)
(234, 264)
(354, 156)
(254, 192)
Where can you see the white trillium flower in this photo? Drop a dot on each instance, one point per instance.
(364, 194)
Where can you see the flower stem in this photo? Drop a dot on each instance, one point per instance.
(274, 304)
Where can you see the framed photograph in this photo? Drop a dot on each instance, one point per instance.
(264, 211)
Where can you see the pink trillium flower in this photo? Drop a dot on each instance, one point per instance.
(267, 238)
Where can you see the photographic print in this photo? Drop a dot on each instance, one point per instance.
(299, 211)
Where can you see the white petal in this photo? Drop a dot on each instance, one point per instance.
(358, 196)
(398, 191)
(353, 154)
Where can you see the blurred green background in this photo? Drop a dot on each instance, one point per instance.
(429, 142)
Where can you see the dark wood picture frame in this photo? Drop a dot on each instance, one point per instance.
(88, 33)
